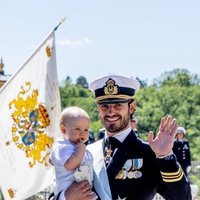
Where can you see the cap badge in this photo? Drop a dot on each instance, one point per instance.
(110, 87)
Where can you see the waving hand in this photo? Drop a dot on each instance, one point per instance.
(162, 144)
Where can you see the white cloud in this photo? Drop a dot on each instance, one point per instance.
(75, 43)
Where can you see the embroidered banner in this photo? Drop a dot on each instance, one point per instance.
(29, 123)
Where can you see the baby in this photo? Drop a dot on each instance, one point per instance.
(69, 156)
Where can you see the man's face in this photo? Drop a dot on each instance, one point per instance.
(115, 117)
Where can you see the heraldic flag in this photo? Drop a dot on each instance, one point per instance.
(29, 121)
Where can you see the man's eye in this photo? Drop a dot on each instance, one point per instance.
(118, 105)
(104, 106)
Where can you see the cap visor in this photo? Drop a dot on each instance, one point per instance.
(112, 101)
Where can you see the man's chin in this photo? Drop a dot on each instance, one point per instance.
(112, 129)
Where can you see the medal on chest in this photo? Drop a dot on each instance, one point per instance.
(131, 169)
(122, 174)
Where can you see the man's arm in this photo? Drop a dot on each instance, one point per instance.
(174, 183)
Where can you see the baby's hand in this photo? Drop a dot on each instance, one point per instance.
(81, 146)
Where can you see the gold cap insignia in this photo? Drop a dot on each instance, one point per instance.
(110, 87)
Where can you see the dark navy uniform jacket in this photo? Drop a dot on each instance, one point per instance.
(163, 176)
(182, 151)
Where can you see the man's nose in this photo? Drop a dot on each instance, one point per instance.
(111, 108)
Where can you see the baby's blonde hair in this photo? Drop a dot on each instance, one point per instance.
(73, 113)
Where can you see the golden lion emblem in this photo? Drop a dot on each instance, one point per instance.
(30, 118)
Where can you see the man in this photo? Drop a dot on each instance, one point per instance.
(101, 133)
(181, 149)
(134, 122)
(91, 137)
(133, 170)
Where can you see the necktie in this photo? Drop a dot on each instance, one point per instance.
(113, 142)
(110, 145)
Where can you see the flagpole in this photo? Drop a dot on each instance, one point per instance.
(60, 22)
(32, 54)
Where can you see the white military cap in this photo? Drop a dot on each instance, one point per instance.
(181, 130)
(114, 89)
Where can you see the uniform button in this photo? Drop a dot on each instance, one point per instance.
(183, 158)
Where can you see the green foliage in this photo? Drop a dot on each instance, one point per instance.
(148, 109)
(81, 80)
(177, 95)
(76, 95)
(177, 77)
(95, 126)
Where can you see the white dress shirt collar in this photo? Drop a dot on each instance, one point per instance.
(121, 135)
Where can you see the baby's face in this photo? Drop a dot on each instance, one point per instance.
(78, 130)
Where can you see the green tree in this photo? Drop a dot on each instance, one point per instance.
(180, 77)
(81, 80)
(77, 95)
(177, 94)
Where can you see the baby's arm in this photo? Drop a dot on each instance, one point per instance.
(76, 158)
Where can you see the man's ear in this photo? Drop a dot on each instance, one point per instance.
(62, 128)
(132, 107)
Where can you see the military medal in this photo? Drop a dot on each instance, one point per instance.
(131, 172)
(138, 174)
(124, 173)
(130, 169)
(134, 172)
(137, 165)
(120, 175)
(108, 155)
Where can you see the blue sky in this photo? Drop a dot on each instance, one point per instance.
(141, 38)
